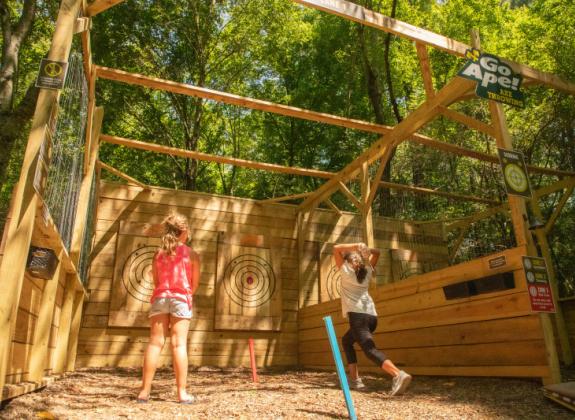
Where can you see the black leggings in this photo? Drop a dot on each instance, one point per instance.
(360, 328)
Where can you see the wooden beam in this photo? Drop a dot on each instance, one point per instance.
(122, 175)
(375, 183)
(356, 13)
(557, 211)
(366, 211)
(74, 330)
(90, 137)
(61, 351)
(343, 188)
(468, 121)
(556, 186)
(38, 357)
(562, 332)
(26, 202)
(333, 206)
(462, 223)
(417, 119)
(154, 83)
(428, 191)
(285, 198)
(98, 6)
(462, 151)
(228, 98)
(82, 24)
(214, 158)
(425, 69)
(86, 187)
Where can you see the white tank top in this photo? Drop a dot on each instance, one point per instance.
(354, 295)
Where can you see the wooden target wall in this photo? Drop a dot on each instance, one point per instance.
(248, 282)
(133, 283)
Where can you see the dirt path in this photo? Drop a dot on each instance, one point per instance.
(109, 394)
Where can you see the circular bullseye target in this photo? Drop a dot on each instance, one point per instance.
(516, 178)
(137, 273)
(249, 281)
(333, 283)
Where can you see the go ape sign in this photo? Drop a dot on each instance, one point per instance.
(495, 79)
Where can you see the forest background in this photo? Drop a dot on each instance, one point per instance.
(280, 51)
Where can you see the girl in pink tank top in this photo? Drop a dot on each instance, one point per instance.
(176, 273)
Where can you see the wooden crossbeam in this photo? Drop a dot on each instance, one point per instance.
(333, 206)
(428, 191)
(228, 98)
(468, 121)
(417, 119)
(121, 174)
(184, 89)
(357, 13)
(343, 188)
(462, 151)
(98, 6)
(285, 198)
(551, 221)
(214, 158)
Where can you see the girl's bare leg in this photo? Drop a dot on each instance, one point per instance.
(390, 368)
(179, 340)
(159, 325)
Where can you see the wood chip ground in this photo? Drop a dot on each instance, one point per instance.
(230, 394)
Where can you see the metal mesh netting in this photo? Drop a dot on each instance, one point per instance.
(84, 262)
(67, 135)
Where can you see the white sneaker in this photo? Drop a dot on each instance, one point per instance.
(356, 384)
(400, 383)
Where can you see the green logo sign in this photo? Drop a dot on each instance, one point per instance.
(52, 74)
(514, 173)
(495, 79)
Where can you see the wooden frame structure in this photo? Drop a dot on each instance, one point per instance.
(26, 225)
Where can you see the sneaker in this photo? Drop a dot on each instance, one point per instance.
(356, 384)
(400, 383)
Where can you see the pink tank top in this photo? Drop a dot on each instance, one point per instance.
(172, 275)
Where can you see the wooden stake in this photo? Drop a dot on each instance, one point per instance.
(74, 330)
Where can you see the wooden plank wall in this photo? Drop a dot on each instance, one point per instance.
(492, 334)
(27, 317)
(568, 307)
(126, 210)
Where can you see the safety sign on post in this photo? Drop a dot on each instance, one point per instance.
(52, 74)
(514, 173)
(538, 285)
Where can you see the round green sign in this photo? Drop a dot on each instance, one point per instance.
(516, 178)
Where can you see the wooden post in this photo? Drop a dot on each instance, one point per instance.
(523, 237)
(85, 189)
(65, 322)
(74, 330)
(366, 212)
(566, 350)
(38, 360)
(26, 202)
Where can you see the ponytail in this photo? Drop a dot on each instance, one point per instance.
(174, 225)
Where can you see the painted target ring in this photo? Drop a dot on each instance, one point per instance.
(249, 281)
(516, 178)
(137, 273)
(333, 283)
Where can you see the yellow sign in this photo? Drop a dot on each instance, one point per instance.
(52, 74)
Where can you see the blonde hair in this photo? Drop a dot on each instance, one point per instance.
(173, 226)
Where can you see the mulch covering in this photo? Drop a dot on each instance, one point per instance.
(110, 394)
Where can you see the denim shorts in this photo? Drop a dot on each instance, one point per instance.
(175, 307)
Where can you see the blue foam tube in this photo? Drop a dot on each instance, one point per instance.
(339, 367)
